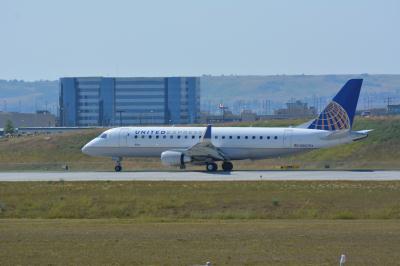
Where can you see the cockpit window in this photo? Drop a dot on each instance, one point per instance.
(103, 136)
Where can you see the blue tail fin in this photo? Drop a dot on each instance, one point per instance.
(339, 113)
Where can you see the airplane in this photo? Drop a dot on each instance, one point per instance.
(179, 146)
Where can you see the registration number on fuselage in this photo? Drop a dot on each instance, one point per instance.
(303, 146)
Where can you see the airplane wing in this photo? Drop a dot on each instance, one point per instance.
(205, 149)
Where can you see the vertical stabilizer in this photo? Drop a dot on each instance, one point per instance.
(339, 113)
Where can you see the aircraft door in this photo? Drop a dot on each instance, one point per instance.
(287, 138)
(123, 137)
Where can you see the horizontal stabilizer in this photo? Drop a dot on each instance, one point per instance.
(337, 135)
(366, 131)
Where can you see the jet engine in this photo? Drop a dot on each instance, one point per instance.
(174, 158)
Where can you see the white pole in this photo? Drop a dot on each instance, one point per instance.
(342, 260)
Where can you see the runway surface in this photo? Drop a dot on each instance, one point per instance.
(202, 176)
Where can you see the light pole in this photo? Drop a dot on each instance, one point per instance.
(140, 118)
(120, 116)
(151, 115)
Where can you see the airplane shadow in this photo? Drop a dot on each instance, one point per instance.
(217, 172)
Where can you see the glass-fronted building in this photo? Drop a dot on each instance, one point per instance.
(104, 101)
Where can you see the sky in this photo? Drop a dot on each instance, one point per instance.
(48, 39)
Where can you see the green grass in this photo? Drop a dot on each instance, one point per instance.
(171, 201)
(128, 242)
(189, 223)
(379, 151)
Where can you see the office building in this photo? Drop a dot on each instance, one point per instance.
(104, 101)
(393, 109)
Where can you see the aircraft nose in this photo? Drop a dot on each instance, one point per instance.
(86, 149)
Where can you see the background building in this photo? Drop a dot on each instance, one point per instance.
(296, 109)
(103, 101)
(393, 109)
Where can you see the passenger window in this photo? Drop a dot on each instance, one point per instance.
(261, 137)
(276, 137)
(246, 137)
(157, 137)
(179, 137)
(223, 137)
(142, 136)
(135, 136)
(238, 137)
(192, 137)
(200, 137)
(150, 137)
(185, 137)
(268, 137)
(216, 137)
(230, 137)
(164, 137)
(254, 137)
(171, 137)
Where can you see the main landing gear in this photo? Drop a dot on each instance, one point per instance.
(118, 167)
(212, 167)
(227, 166)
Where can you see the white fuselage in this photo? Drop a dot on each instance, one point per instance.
(237, 143)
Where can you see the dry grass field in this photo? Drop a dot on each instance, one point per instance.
(266, 242)
(189, 223)
(171, 201)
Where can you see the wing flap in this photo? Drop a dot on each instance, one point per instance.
(205, 148)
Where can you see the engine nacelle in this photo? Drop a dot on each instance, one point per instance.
(174, 158)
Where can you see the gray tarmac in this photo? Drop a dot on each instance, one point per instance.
(202, 176)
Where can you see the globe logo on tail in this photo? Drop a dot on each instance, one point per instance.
(334, 117)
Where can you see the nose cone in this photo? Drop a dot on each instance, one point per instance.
(89, 148)
(96, 147)
(85, 149)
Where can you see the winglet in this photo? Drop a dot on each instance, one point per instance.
(207, 134)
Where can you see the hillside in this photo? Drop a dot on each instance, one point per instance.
(279, 89)
(380, 151)
(28, 96)
(25, 96)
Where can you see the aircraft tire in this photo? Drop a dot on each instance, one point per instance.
(211, 167)
(227, 166)
(118, 168)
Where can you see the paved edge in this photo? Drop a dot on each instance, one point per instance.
(204, 176)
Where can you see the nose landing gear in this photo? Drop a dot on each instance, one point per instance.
(118, 167)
